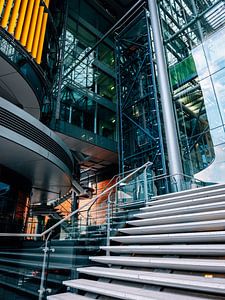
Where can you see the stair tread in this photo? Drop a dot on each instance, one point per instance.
(184, 232)
(207, 249)
(67, 296)
(176, 227)
(187, 202)
(176, 197)
(206, 189)
(219, 262)
(211, 236)
(205, 215)
(124, 292)
(177, 210)
(187, 281)
(216, 265)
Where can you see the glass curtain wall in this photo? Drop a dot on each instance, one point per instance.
(88, 84)
(89, 69)
(140, 133)
(193, 33)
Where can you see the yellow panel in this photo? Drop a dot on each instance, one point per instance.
(14, 16)
(37, 31)
(47, 3)
(26, 25)
(42, 35)
(21, 19)
(1, 6)
(6, 15)
(33, 26)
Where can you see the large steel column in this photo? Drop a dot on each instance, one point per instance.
(175, 165)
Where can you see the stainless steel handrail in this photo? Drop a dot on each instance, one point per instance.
(161, 176)
(47, 233)
(42, 290)
(117, 176)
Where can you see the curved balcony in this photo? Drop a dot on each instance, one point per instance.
(29, 51)
(22, 82)
(34, 151)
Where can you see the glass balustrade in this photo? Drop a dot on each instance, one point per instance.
(62, 233)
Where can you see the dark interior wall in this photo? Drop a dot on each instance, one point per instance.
(14, 197)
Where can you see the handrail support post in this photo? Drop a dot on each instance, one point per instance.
(145, 184)
(108, 223)
(46, 250)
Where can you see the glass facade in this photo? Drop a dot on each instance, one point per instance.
(139, 111)
(194, 41)
(84, 86)
(88, 111)
(88, 93)
(89, 69)
(209, 58)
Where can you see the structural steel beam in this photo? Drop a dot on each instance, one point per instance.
(175, 165)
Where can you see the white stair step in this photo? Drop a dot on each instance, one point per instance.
(203, 265)
(175, 197)
(204, 249)
(200, 283)
(182, 210)
(67, 296)
(201, 216)
(177, 227)
(184, 203)
(125, 292)
(195, 237)
(194, 191)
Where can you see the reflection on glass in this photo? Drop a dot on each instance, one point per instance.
(210, 102)
(199, 95)
(106, 55)
(218, 82)
(106, 122)
(218, 136)
(84, 111)
(200, 62)
(92, 70)
(214, 51)
(213, 91)
(215, 172)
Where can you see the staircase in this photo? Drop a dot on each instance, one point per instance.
(174, 249)
(53, 212)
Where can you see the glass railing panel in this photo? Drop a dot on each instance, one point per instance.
(42, 261)
(136, 189)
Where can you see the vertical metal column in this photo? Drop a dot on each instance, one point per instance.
(108, 222)
(175, 165)
(119, 115)
(61, 71)
(200, 31)
(145, 184)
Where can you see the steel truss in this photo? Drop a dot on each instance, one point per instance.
(182, 19)
(139, 112)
